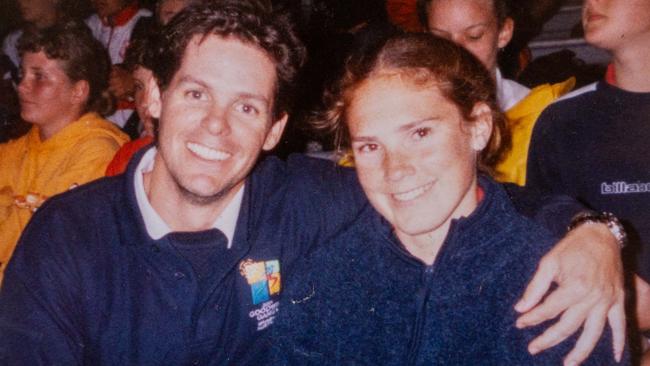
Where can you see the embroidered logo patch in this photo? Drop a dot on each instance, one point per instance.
(263, 278)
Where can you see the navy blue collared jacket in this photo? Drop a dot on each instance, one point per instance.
(87, 285)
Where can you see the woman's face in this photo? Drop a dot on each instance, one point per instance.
(617, 24)
(415, 154)
(48, 98)
(471, 24)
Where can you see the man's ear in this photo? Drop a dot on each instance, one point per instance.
(275, 133)
(481, 127)
(80, 92)
(505, 33)
(153, 97)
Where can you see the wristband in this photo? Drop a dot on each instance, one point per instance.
(613, 224)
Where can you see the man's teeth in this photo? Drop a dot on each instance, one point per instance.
(412, 194)
(207, 153)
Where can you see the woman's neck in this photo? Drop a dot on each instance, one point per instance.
(632, 66)
(426, 246)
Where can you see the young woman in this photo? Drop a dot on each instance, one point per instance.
(430, 273)
(62, 93)
(484, 27)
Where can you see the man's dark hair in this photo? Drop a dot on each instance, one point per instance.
(502, 10)
(249, 21)
(80, 55)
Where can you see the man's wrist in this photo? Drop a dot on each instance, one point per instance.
(607, 218)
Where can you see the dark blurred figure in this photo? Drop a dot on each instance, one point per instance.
(559, 66)
(334, 28)
(529, 17)
(11, 126)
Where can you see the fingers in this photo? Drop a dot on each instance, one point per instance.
(591, 332)
(558, 301)
(538, 286)
(570, 321)
(616, 319)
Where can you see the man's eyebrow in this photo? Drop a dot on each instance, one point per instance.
(258, 97)
(193, 80)
(244, 95)
(363, 139)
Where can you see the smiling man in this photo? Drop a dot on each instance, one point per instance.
(180, 260)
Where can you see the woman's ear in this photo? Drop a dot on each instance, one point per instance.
(505, 33)
(481, 128)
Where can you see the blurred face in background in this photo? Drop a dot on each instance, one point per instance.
(168, 8)
(472, 24)
(108, 8)
(142, 77)
(48, 98)
(613, 24)
(41, 13)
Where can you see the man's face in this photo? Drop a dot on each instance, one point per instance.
(215, 119)
(611, 24)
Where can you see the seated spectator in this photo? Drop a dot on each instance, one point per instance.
(139, 61)
(62, 93)
(484, 27)
(431, 272)
(145, 29)
(112, 24)
(593, 145)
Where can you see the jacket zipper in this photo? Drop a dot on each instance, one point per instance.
(421, 305)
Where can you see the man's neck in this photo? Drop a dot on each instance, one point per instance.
(178, 212)
(632, 67)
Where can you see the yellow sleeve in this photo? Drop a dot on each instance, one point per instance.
(521, 121)
(88, 163)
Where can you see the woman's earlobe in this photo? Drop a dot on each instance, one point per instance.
(481, 126)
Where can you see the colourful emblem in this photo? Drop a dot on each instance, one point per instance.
(263, 277)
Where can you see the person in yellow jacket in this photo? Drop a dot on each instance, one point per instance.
(62, 93)
(484, 27)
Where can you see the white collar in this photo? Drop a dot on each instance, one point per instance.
(156, 226)
(509, 92)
